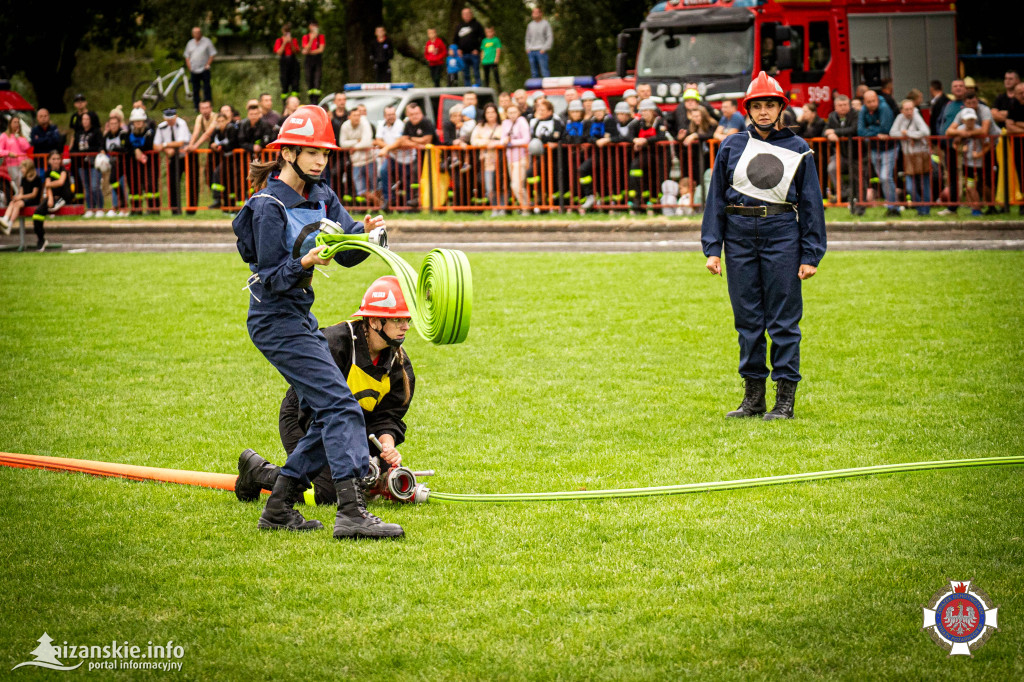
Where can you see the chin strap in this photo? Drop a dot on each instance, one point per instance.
(771, 126)
(394, 343)
(306, 177)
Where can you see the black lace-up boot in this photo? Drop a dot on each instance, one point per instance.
(279, 514)
(254, 475)
(353, 521)
(753, 400)
(785, 396)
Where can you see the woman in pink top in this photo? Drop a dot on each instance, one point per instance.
(13, 150)
(515, 135)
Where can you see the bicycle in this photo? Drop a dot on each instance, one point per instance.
(153, 92)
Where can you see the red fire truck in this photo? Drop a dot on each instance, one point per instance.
(813, 48)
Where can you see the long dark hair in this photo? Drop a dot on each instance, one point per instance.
(259, 171)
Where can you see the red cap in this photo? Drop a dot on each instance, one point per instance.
(307, 126)
(384, 298)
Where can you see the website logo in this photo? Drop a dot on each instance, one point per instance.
(960, 618)
(113, 656)
(46, 656)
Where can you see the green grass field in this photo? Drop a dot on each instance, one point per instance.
(581, 371)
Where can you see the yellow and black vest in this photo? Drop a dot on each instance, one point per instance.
(367, 390)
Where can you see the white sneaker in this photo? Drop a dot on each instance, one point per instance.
(43, 247)
(111, 213)
(123, 214)
(87, 214)
(5, 225)
(588, 204)
(58, 204)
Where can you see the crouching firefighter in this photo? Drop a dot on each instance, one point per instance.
(369, 353)
(276, 232)
(764, 208)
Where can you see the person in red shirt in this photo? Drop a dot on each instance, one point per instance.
(287, 49)
(313, 49)
(435, 52)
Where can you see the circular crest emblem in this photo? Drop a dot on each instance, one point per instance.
(960, 618)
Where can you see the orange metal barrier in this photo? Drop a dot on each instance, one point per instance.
(665, 176)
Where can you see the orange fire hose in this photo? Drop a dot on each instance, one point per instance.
(115, 470)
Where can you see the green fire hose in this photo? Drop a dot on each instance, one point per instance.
(729, 485)
(440, 297)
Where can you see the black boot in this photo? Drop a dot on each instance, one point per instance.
(785, 396)
(254, 474)
(753, 400)
(278, 514)
(353, 521)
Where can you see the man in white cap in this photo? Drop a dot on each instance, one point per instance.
(171, 137)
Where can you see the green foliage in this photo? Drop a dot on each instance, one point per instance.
(581, 371)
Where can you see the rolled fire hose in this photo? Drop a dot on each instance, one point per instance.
(440, 297)
(729, 485)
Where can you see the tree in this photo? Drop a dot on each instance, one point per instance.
(361, 18)
(45, 48)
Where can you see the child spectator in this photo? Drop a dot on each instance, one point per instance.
(31, 191)
(141, 168)
(515, 135)
(488, 134)
(434, 54)
(113, 145)
(645, 169)
(455, 65)
(490, 49)
(56, 193)
(226, 174)
(595, 129)
(973, 151)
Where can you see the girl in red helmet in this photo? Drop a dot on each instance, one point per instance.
(378, 372)
(764, 209)
(276, 231)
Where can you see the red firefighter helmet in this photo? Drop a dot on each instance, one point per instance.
(384, 298)
(764, 87)
(307, 126)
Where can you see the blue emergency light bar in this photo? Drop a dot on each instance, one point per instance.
(561, 82)
(350, 87)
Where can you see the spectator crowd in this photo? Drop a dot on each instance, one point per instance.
(515, 153)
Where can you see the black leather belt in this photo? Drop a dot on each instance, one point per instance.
(761, 211)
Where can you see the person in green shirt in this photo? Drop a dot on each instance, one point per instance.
(491, 48)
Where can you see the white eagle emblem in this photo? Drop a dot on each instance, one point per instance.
(960, 622)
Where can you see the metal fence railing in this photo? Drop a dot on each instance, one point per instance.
(665, 176)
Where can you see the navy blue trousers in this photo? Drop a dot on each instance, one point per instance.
(763, 264)
(288, 336)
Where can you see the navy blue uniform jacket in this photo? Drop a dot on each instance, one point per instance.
(805, 192)
(266, 243)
